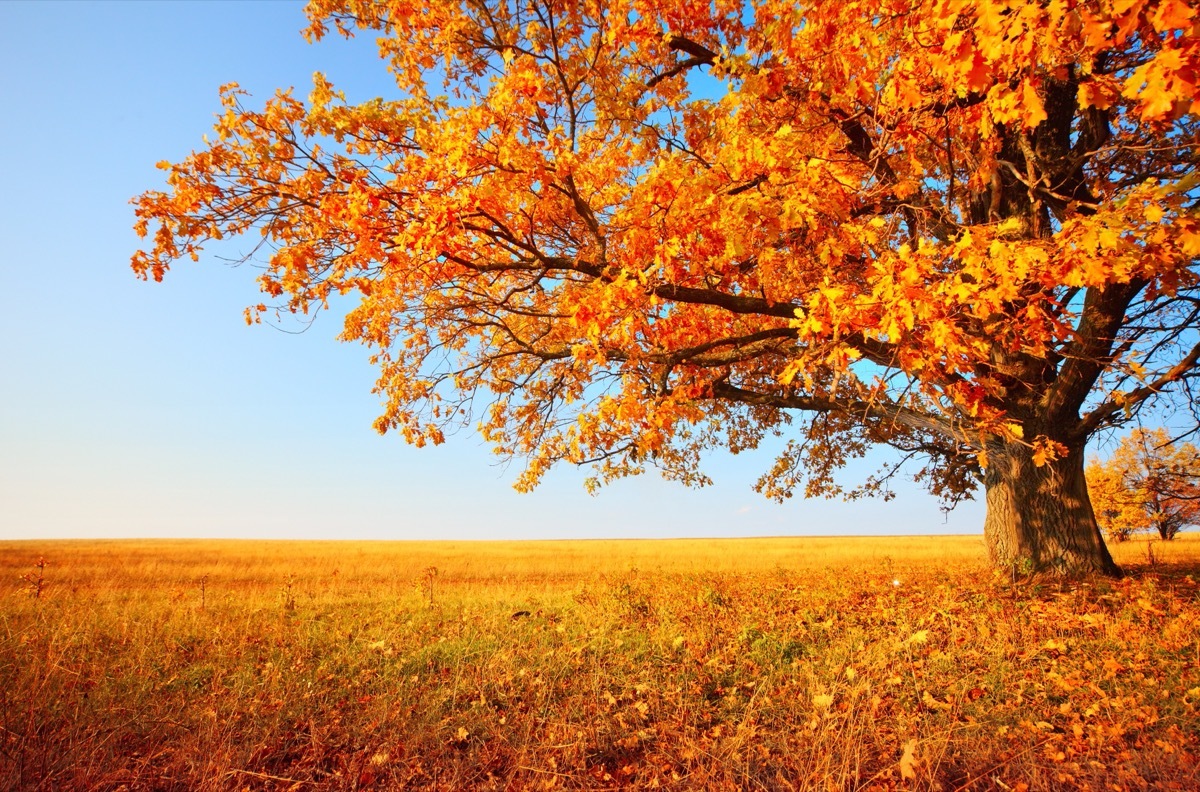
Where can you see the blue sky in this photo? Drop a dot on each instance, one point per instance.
(140, 409)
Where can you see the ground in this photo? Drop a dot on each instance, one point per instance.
(772, 664)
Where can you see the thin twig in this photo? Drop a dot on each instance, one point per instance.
(545, 772)
(269, 777)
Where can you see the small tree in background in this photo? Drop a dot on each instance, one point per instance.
(1119, 512)
(1149, 483)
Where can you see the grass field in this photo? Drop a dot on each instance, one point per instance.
(769, 664)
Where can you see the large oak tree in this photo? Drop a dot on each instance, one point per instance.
(625, 231)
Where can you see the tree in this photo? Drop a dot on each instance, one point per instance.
(1119, 511)
(1149, 483)
(623, 232)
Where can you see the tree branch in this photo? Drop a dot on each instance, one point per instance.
(722, 389)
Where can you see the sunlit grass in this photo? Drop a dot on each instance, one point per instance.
(887, 663)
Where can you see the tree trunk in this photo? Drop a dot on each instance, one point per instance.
(1167, 528)
(1039, 519)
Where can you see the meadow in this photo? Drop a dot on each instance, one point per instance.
(764, 664)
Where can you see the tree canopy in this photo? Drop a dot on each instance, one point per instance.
(1148, 484)
(622, 232)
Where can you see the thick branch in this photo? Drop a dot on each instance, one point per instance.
(1089, 353)
(704, 54)
(699, 354)
(722, 389)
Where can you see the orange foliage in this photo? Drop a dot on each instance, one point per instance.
(636, 230)
(1149, 483)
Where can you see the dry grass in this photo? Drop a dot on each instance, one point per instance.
(735, 664)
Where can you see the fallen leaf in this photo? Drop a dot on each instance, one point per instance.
(908, 762)
(929, 701)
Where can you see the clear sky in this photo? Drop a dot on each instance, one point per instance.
(140, 409)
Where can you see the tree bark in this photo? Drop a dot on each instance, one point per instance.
(1039, 519)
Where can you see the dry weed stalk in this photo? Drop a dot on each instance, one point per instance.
(35, 584)
(288, 595)
(430, 574)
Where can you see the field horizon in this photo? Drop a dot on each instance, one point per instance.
(789, 663)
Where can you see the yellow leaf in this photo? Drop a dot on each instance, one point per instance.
(1011, 225)
(1047, 450)
(1035, 112)
(929, 701)
(908, 761)
(790, 371)
(1148, 607)
(1052, 645)
(1099, 93)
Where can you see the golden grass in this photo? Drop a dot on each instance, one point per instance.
(838, 663)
